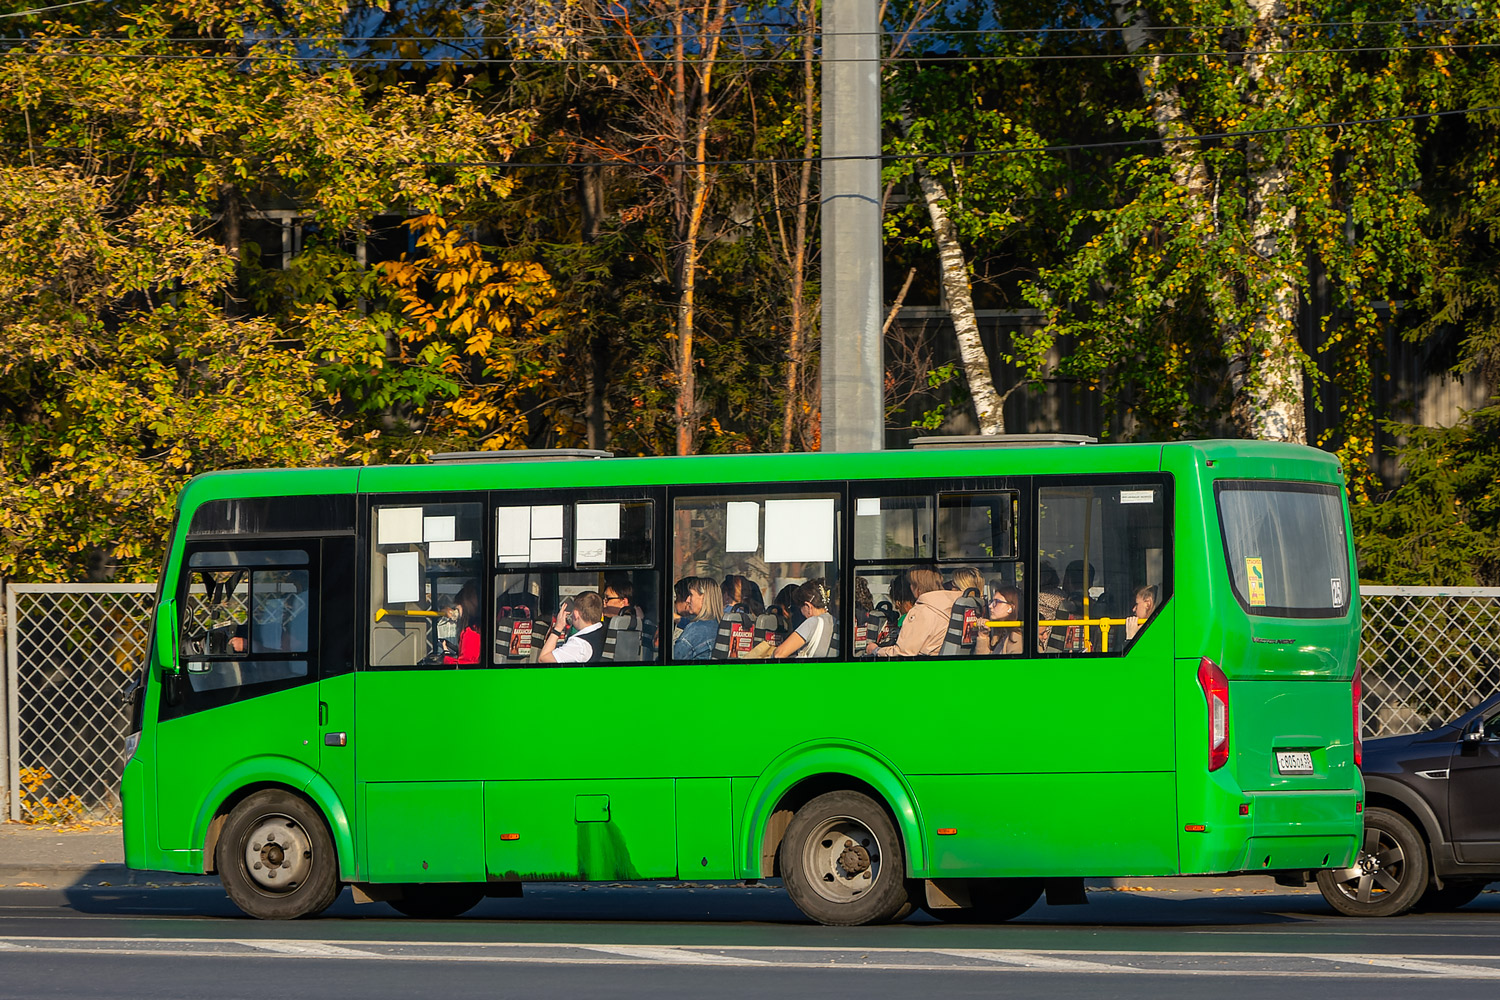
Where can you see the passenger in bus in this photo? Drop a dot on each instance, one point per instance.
(1004, 606)
(705, 606)
(1141, 611)
(967, 581)
(742, 596)
(926, 624)
(789, 607)
(902, 597)
(681, 600)
(581, 615)
(617, 594)
(468, 625)
(1049, 638)
(447, 625)
(814, 635)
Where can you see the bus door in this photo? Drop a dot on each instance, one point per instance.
(246, 708)
(338, 632)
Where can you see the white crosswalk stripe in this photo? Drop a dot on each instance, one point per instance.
(1408, 964)
(306, 949)
(1031, 960)
(681, 955)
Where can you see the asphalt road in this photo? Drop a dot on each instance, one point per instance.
(726, 942)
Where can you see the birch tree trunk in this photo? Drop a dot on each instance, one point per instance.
(1265, 371)
(1274, 407)
(988, 406)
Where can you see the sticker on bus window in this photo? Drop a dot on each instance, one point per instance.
(1256, 574)
(1337, 586)
(1138, 496)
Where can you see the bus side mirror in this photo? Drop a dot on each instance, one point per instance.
(166, 637)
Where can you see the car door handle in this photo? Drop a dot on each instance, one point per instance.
(336, 739)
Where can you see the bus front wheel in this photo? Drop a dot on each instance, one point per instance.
(276, 857)
(842, 864)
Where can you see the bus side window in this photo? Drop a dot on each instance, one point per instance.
(1101, 567)
(247, 623)
(773, 541)
(425, 559)
(548, 554)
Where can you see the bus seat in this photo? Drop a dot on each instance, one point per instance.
(398, 641)
(623, 639)
(514, 634)
(769, 628)
(736, 636)
(963, 626)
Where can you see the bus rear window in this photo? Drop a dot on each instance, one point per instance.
(1285, 544)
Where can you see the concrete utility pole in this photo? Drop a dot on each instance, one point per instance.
(853, 369)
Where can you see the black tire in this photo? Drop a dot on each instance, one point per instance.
(1451, 896)
(276, 857)
(1389, 873)
(995, 900)
(842, 862)
(438, 902)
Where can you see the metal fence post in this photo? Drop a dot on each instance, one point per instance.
(10, 782)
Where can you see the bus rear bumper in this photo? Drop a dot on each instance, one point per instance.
(1284, 831)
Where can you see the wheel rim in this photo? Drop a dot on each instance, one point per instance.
(278, 854)
(1379, 870)
(842, 859)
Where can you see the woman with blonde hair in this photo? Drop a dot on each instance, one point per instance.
(705, 606)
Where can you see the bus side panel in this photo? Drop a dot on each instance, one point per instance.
(1050, 824)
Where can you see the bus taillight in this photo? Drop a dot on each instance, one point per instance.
(1216, 693)
(1359, 743)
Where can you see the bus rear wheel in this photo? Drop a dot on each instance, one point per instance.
(842, 863)
(437, 902)
(276, 857)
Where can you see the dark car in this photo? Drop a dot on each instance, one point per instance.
(1432, 820)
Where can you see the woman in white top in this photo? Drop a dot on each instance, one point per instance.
(814, 636)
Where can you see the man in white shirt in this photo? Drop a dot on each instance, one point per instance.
(585, 612)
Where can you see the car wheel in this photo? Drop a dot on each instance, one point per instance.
(994, 901)
(842, 863)
(1451, 896)
(276, 857)
(437, 902)
(1389, 873)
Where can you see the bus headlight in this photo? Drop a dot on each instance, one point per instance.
(131, 742)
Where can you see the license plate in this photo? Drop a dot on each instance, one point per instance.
(1294, 762)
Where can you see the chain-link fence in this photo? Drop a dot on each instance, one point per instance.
(1429, 654)
(71, 651)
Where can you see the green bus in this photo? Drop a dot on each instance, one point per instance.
(952, 678)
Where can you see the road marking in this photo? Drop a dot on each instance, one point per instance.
(1031, 960)
(1041, 961)
(671, 954)
(1410, 964)
(305, 949)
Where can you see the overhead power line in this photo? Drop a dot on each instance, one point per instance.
(56, 6)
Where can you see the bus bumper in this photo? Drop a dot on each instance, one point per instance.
(1284, 831)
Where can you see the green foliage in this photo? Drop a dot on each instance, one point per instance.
(1442, 526)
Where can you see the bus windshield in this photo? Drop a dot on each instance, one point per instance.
(1285, 546)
